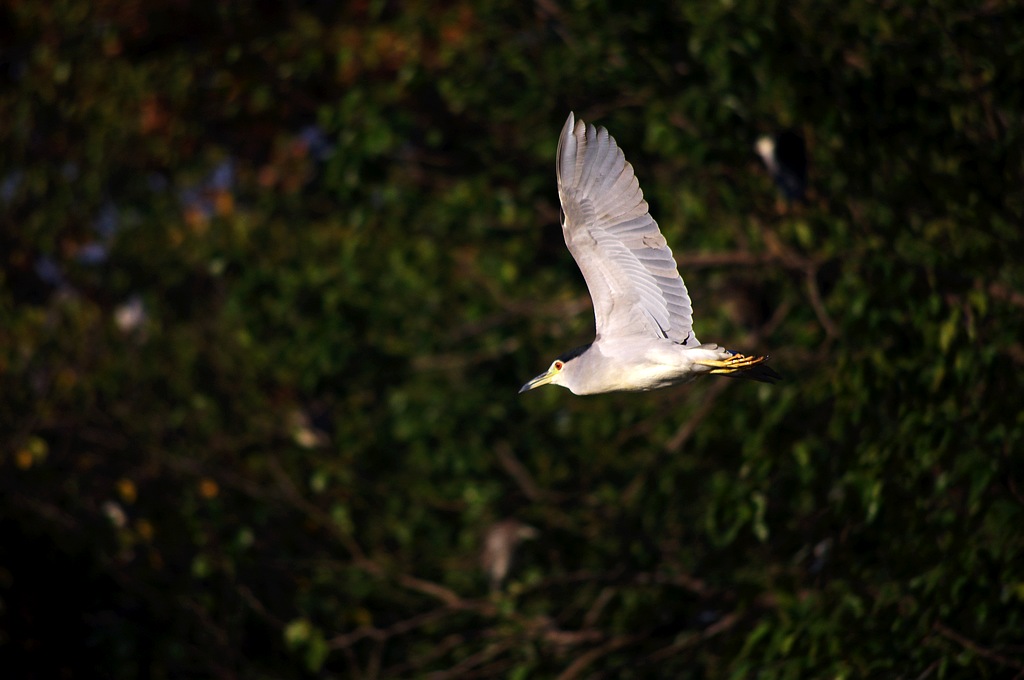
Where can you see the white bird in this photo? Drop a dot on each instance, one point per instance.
(642, 310)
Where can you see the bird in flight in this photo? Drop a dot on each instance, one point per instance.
(644, 319)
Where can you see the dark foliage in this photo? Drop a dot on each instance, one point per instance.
(271, 275)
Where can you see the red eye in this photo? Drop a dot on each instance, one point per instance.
(558, 365)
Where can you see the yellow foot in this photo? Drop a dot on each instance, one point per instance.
(737, 362)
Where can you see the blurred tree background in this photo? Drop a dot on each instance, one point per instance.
(271, 275)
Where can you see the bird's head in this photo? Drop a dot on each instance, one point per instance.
(559, 372)
(765, 148)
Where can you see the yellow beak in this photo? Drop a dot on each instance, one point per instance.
(542, 379)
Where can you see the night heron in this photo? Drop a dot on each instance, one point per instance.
(785, 156)
(500, 543)
(644, 319)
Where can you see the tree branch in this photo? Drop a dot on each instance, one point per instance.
(580, 664)
(517, 471)
(975, 648)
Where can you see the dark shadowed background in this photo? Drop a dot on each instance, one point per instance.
(271, 275)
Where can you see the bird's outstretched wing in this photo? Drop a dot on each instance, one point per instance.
(628, 266)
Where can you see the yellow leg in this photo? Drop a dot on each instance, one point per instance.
(737, 362)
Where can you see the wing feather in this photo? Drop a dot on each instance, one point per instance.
(632, 276)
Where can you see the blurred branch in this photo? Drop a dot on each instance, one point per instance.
(725, 623)
(975, 648)
(580, 664)
(517, 471)
(257, 606)
(683, 434)
(684, 581)
(597, 607)
(48, 511)
(376, 658)
(224, 476)
(481, 657)
(620, 577)
(292, 493)
(809, 266)
(614, 576)
(203, 616)
(359, 558)
(382, 634)
(446, 595)
(778, 316)
(437, 651)
(676, 442)
(496, 669)
(757, 337)
(814, 295)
